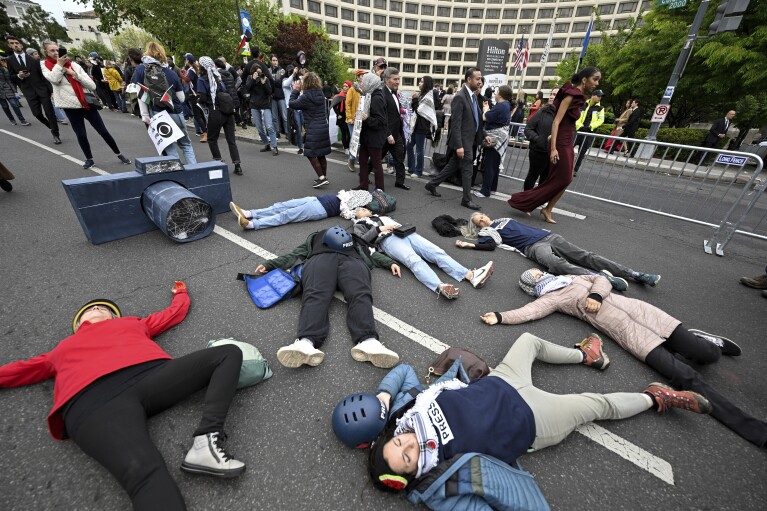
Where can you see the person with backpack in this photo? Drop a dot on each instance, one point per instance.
(231, 83)
(502, 415)
(218, 107)
(333, 260)
(164, 91)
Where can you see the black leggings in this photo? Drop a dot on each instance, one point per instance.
(77, 118)
(684, 377)
(319, 164)
(116, 434)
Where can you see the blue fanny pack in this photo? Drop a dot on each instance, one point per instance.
(272, 287)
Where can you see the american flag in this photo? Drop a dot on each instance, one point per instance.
(521, 54)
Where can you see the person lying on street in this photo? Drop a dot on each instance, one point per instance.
(304, 209)
(333, 260)
(110, 376)
(551, 250)
(502, 415)
(648, 333)
(415, 252)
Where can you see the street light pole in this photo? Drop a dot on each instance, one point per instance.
(681, 62)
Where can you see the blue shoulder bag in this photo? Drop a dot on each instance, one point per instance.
(266, 290)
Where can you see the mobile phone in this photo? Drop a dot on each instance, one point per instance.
(62, 51)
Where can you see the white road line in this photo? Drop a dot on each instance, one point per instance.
(623, 448)
(658, 467)
(54, 151)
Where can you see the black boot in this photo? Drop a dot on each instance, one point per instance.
(237, 169)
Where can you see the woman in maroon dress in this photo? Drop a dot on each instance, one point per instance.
(568, 102)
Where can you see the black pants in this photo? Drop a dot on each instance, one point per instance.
(323, 274)
(198, 114)
(684, 377)
(454, 165)
(216, 121)
(492, 168)
(346, 137)
(583, 141)
(539, 169)
(38, 105)
(77, 118)
(397, 150)
(116, 434)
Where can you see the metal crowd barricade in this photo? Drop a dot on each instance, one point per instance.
(717, 188)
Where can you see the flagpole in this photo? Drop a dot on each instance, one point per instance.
(586, 40)
(546, 49)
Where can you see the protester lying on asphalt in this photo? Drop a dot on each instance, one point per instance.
(333, 260)
(550, 250)
(648, 333)
(415, 252)
(110, 376)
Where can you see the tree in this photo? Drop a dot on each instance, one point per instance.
(131, 38)
(721, 69)
(38, 25)
(327, 62)
(200, 27)
(87, 47)
(293, 35)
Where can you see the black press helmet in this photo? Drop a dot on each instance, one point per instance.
(358, 419)
(338, 238)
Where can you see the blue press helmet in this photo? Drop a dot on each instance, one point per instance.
(358, 419)
(338, 238)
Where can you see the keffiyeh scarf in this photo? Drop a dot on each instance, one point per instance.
(416, 420)
(351, 200)
(548, 283)
(213, 76)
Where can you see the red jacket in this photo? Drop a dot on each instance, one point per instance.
(97, 349)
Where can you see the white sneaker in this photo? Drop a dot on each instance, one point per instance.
(208, 457)
(301, 352)
(480, 195)
(481, 275)
(371, 350)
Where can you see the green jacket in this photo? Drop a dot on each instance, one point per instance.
(304, 252)
(597, 117)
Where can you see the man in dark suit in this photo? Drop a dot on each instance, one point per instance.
(718, 130)
(464, 135)
(632, 125)
(395, 140)
(27, 74)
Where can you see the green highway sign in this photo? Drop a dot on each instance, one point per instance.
(676, 4)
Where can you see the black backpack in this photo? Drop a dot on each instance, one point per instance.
(159, 88)
(224, 101)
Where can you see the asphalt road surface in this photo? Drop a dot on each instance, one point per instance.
(281, 428)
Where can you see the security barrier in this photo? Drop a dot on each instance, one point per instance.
(718, 188)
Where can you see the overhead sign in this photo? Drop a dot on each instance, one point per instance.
(727, 159)
(669, 92)
(660, 113)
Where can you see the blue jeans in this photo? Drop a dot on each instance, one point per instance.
(305, 209)
(415, 158)
(279, 110)
(59, 114)
(264, 126)
(299, 116)
(414, 252)
(7, 104)
(184, 143)
(351, 134)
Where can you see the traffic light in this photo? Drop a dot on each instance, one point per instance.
(724, 22)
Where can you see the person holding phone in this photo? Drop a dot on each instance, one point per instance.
(26, 72)
(70, 82)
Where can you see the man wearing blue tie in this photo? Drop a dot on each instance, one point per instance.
(464, 135)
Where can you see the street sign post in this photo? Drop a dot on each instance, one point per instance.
(660, 113)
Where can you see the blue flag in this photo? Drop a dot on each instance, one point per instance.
(586, 39)
(247, 31)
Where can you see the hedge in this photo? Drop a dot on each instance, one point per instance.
(682, 136)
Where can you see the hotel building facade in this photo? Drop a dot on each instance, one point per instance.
(442, 38)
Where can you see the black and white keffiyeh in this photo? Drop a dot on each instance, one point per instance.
(213, 76)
